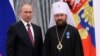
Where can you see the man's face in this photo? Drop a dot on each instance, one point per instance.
(60, 19)
(26, 12)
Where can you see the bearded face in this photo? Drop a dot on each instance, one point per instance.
(60, 19)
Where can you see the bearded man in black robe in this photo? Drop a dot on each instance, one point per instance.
(62, 39)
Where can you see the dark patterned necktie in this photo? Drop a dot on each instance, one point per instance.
(30, 34)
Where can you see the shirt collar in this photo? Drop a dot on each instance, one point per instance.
(25, 23)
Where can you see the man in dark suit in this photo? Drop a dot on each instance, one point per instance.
(23, 37)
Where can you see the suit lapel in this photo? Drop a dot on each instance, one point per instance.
(24, 32)
(34, 30)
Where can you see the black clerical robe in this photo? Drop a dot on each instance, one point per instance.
(71, 42)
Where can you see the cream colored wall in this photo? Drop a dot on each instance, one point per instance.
(96, 4)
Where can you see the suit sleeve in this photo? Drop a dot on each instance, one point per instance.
(46, 46)
(11, 34)
(78, 51)
(40, 43)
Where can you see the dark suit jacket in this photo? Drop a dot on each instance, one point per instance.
(19, 44)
